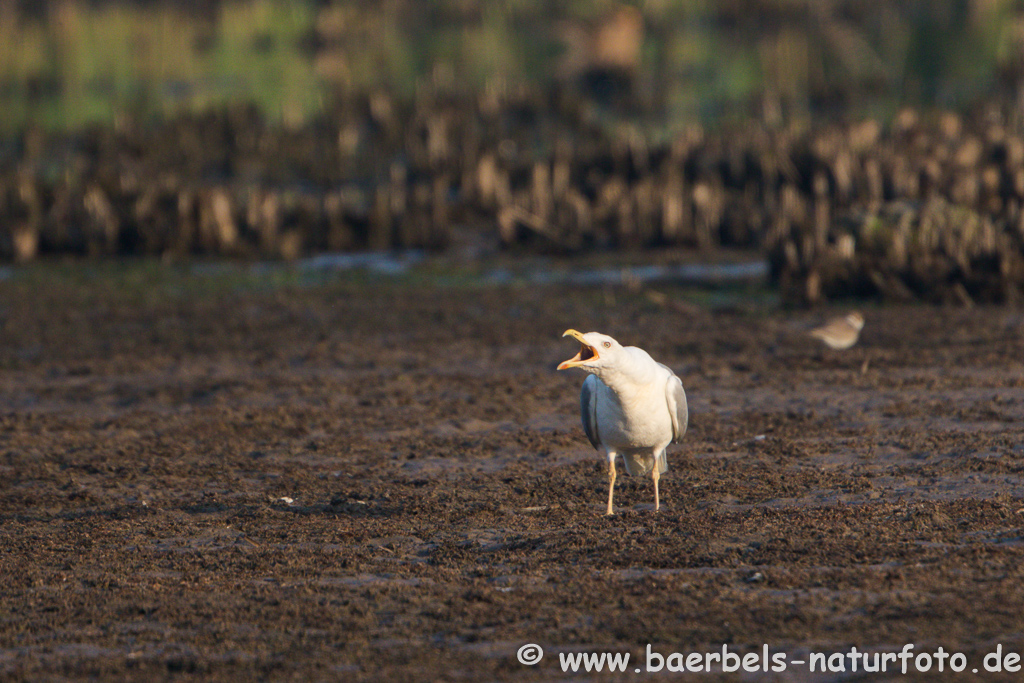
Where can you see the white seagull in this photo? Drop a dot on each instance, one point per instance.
(631, 405)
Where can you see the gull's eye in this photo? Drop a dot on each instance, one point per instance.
(607, 345)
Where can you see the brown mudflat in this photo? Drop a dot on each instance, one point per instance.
(363, 481)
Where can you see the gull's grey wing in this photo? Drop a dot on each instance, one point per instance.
(588, 409)
(675, 396)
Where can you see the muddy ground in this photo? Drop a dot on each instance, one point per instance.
(256, 477)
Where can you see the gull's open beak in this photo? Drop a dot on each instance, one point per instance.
(587, 353)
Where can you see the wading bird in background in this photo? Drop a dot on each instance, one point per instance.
(631, 406)
(840, 333)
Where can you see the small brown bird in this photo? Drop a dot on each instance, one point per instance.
(840, 333)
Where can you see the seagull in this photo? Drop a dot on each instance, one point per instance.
(631, 405)
(840, 333)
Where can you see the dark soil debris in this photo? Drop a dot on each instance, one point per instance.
(347, 482)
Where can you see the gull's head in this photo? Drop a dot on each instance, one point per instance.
(856, 321)
(597, 351)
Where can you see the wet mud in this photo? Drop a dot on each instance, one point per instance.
(388, 481)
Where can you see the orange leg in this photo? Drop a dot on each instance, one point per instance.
(611, 484)
(656, 475)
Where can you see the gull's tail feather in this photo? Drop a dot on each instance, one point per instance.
(641, 465)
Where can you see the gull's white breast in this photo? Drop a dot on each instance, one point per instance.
(635, 421)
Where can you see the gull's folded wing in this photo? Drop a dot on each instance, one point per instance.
(588, 409)
(675, 396)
